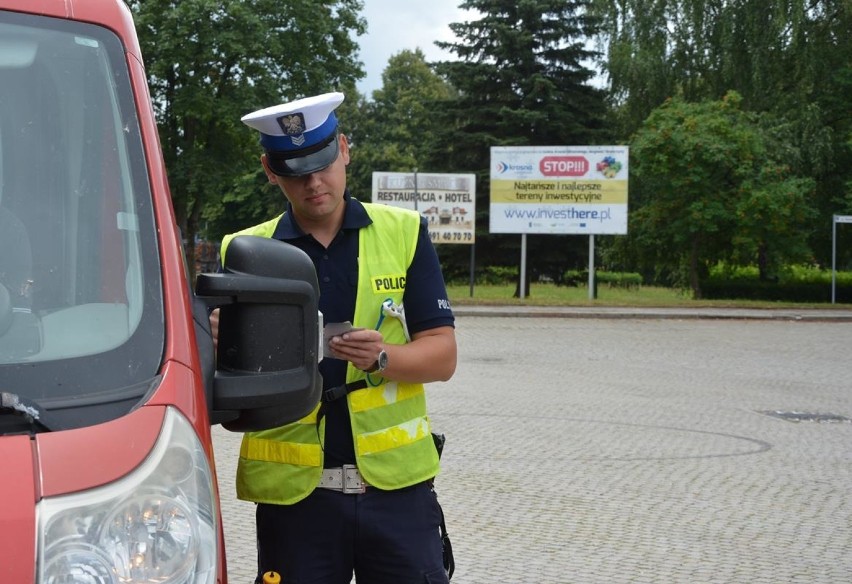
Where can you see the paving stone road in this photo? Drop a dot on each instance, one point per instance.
(614, 450)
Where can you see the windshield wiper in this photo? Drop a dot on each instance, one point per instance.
(29, 410)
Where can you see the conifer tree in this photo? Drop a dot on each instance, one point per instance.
(524, 78)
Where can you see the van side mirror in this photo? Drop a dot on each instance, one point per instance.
(269, 334)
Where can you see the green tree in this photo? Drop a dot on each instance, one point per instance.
(523, 78)
(712, 185)
(208, 63)
(770, 53)
(396, 131)
(789, 58)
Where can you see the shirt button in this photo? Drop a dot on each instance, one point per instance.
(326, 279)
(325, 256)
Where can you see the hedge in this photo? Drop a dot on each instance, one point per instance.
(791, 291)
(629, 280)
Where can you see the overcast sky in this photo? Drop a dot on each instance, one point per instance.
(394, 25)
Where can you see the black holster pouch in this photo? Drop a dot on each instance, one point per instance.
(439, 440)
(449, 561)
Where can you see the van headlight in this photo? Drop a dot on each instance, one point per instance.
(156, 525)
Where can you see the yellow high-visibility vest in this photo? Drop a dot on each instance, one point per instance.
(391, 431)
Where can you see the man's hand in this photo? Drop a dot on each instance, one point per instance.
(430, 356)
(359, 347)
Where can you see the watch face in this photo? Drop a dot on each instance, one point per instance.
(382, 360)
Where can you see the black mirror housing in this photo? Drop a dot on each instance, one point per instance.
(269, 334)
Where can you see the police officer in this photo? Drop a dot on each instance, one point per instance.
(348, 489)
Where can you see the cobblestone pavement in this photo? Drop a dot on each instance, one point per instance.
(615, 450)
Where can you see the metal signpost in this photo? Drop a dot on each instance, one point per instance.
(837, 219)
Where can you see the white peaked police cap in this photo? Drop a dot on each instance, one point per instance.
(299, 137)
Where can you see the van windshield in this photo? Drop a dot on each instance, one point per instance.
(81, 319)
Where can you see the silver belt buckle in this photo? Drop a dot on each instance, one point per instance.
(353, 484)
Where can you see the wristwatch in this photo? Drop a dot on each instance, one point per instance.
(380, 364)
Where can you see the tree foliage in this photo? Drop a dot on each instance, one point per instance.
(791, 59)
(209, 62)
(396, 131)
(714, 186)
(522, 75)
(522, 78)
(777, 55)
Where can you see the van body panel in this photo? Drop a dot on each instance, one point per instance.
(17, 508)
(84, 458)
(115, 15)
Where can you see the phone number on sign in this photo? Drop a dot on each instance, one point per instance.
(451, 236)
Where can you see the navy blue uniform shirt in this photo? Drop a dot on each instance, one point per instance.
(425, 301)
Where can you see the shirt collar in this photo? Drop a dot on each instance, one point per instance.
(354, 217)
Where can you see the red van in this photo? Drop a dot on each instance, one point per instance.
(108, 378)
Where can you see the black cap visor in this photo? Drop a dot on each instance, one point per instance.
(307, 161)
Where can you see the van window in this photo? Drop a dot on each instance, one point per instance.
(81, 320)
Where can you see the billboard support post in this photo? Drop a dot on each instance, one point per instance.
(472, 258)
(592, 294)
(522, 291)
(835, 219)
(415, 188)
(833, 255)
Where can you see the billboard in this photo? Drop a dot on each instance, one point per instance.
(559, 189)
(448, 201)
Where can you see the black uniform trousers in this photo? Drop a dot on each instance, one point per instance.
(383, 537)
